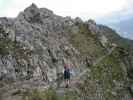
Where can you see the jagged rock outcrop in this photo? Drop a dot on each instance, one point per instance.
(40, 45)
(35, 46)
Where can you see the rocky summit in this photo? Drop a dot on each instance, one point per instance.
(36, 44)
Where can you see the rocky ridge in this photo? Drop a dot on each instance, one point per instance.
(35, 45)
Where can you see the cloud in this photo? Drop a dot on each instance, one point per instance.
(127, 35)
(88, 8)
(116, 16)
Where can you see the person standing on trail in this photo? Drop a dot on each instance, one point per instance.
(67, 74)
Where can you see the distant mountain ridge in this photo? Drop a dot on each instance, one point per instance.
(125, 27)
(113, 36)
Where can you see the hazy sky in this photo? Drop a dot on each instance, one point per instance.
(82, 8)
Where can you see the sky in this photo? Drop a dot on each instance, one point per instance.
(102, 11)
(85, 9)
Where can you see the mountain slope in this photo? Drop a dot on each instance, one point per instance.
(35, 46)
(114, 37)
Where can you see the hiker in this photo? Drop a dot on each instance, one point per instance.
(67, 74)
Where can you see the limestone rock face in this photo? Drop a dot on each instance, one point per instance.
(78, 20)
(92, 26)
(94, 29)
(39, 45)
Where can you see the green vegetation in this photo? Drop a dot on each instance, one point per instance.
(109, 65)
(6, 46)
(85, 41)
(107, 75)
(48, 94)
(35, 94)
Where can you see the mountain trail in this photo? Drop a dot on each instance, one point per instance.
(75, 80)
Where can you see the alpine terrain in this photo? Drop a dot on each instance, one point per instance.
(36, 44)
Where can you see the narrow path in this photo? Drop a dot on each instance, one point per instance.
(101, 58)
(76, 79)
(95, 63)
